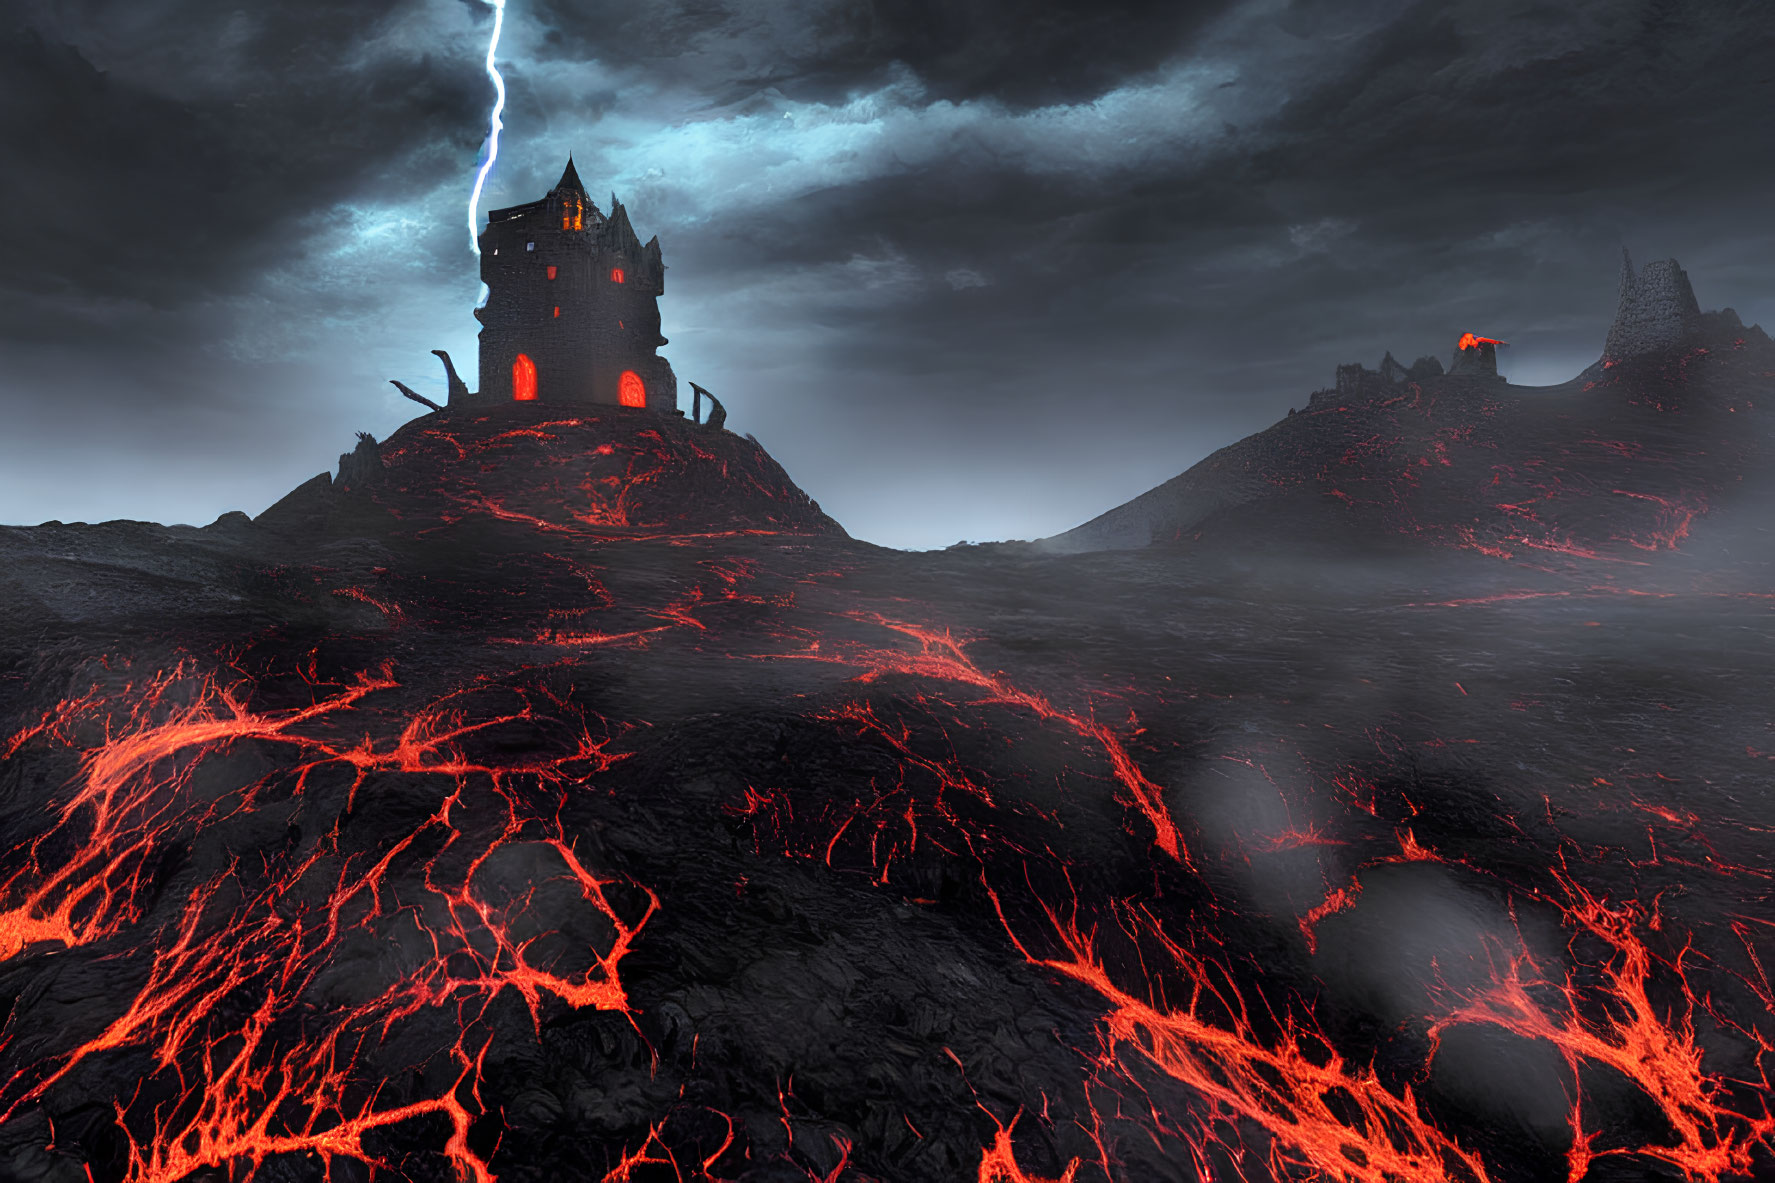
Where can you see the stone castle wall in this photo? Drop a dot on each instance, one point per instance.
(582, 328)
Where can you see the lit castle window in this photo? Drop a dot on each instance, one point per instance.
(523, 379)
(616, 275)
(631, 391)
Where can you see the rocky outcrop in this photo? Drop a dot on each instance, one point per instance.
(304, 508)
(1657, 312)
(361, 467)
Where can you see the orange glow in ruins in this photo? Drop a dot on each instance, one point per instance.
(523, 378)
(552, 272)
(1469, 341)
(616, 275)
(630, 391)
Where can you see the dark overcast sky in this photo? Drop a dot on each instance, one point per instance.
(969, 268)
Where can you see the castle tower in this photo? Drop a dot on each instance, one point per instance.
(1657, 312)
(572, 311)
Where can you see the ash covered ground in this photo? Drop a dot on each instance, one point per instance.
(565, 797)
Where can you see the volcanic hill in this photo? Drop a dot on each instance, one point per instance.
(617, 474)
(1614, 464)
(565, 797)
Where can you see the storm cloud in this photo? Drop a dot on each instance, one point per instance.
(974, 269)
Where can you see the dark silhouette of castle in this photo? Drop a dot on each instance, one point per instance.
(572, 311)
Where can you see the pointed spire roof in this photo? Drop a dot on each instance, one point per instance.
(621, 234)
(570, 181)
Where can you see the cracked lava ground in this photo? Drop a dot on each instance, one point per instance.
(581, 803)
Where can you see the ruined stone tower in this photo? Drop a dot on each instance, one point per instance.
(572, 311)
(1657, 310)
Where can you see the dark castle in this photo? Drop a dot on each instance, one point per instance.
(572, 310)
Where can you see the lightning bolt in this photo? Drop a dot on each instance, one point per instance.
(493, 129)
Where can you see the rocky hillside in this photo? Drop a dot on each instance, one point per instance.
(615, 473)
(1619, 462)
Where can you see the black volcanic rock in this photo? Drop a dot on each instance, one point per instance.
(617, 473)
(303, 508)
(362, 467)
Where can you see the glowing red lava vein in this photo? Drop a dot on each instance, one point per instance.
(942, 658)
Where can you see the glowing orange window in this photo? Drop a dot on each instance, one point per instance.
(551, 273)
(630, 390)
(523, 379)
(616, 275)
(557, 310)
